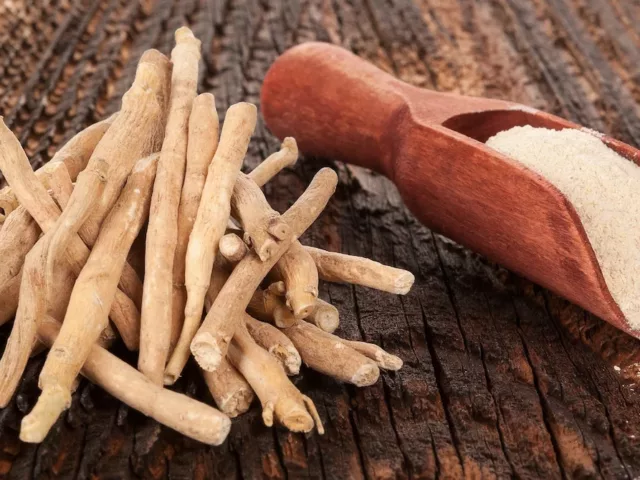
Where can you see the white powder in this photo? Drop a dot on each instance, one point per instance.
(603, 187)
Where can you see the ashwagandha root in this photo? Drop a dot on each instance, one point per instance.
(278, 396)
(269, 306)
(211, 223)
(202, 145)
(270, 167)
(9, 298)
(211, 342)
(384, 359)
(262, 225)
(327, 354)
(179, 412)
(324, 316)
(298, 271)
(90, 186)
(338, 267)
(231, 392)
(60, 184)
(136, 133)
(18, 235)
(35, 199)
(162, 232)
(233, 248)
(93, 293)
(61, 189)
(276, 343)
(74, 155)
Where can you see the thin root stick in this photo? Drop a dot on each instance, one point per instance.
(162, 232)
(74, 155)
(202, 145)
(211, 342)
(269, 168)
(211, 223)
(262, 225)
(93, 293)
(280, 399)
(179, 412)
(324, 316)
(338, 267)
(231, 392)
(233, 248)
(276, 343)
(327, 354)
(270, 307)
(298, 271)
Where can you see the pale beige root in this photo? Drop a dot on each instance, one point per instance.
(327, 354)
(201, 146)
(219, 275)
(278, 396)
(338, 267)
(231, 392)
(91, 299)
(276, 343)
(212, 219)
(136, 133)
(33, 196)
(211, 342)
(35, 300)
(325, 316)
(177, 411)
(89, 188)
(18, 235)
(270, 307)
(384, 359)
(60, 184)
(9, 298)
(298, 271)
(232, 247)
(61, 189)
(74, 155)
(162, 232)
(269, 168)
(262, 225)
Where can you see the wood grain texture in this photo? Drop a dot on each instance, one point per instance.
(498, 379)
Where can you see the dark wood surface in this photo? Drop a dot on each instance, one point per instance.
(501, 378)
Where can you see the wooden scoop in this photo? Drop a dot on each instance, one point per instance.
(431, 145)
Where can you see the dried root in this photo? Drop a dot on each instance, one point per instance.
(233, 248)
(176, 411)
(327, 354)
(285, 157)
(299, 274)
(74, 155)
(262, 225)
(202, 145)
(211, 223)
(337, 267)
(231, 392)
(278, 396)
(93, 293)
(162, 232)
(276, 343)
(210, 344)
(324, 316)
(269, 306)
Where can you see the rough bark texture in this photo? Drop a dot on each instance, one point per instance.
(501, 378)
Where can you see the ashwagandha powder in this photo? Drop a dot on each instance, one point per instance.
(604, 188)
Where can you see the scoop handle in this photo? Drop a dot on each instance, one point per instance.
(334, 103)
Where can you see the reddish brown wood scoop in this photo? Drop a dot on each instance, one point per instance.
(431, 145)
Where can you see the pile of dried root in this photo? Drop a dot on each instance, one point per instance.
(213, 245)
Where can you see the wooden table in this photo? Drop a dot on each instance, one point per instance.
(501, 377)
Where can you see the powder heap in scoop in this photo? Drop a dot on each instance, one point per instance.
(604, 188)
